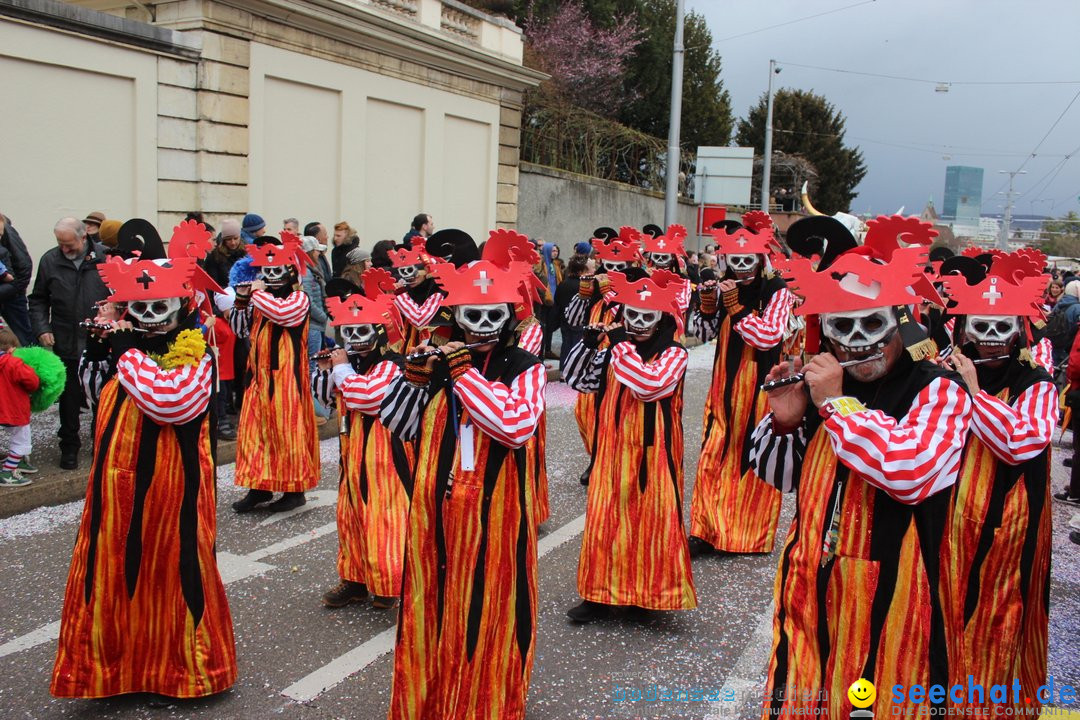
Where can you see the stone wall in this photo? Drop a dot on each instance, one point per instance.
(564, 207)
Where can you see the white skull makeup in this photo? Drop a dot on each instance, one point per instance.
(862, 331)
(993, 332)
(484, 321)
(640, 322)
(615, 265)
(155, 316)
(661, 260)
(359, 337)
(743, 264)
(408, 273)
(276, 275)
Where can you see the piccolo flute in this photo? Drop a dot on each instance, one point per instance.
(91, 325)
(325, 354)
(437, 350)
(980, 361)
(798, 377)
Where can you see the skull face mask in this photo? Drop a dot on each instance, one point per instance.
(743, 265)
(661, 260)
(277, 275)
(155, 316)
(409, 274)
(483, 321)
(861, 332)
(640, 323)
(615, 265)
(360, 338)
(992, 334)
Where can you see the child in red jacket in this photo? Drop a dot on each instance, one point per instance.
(17, 382)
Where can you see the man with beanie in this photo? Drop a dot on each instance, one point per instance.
(253, 227)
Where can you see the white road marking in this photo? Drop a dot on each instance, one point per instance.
(745, 677)
(311, 686)
(233, 568)
(43, 634)
(315, 499)
(340, 668)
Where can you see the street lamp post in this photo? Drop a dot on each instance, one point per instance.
(1003, 240)
(766, 168)
(671, 194)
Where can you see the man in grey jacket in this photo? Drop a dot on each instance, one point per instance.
(15, 256)
(65, 292)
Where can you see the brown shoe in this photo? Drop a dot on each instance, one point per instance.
(346, 592)
(381, 602)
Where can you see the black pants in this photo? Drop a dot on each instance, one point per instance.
(1074, 480)
(71, 401)
(17, 316)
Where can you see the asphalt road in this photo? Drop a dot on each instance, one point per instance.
(300, 660)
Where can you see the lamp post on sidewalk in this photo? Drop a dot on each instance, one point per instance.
(671, 191)
(766, 167)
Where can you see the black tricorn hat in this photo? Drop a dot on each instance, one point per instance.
(605, 233)
(728, 226)
(457, 246)
(139, 236)
(342, 288)
(941, 252)
(653, 230)
(972, 270)
(820, 235)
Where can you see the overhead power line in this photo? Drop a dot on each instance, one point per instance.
(928, 81)
(796, 20)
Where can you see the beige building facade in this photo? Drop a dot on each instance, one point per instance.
(364, 110)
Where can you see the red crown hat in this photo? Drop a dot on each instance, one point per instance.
(1025, 262)
(757, 220)
(377, 281)
(672, 241)
(407, 257)
(745, 242)
(484, 283)
(661, 291)
(136, 279)
(505, 246)
(617, 250)
(191, 239)
(995, 295)
(883, 237)
(271, 254)
(855, 282)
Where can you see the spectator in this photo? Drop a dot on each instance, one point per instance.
(566, 290)
(583, 248)
(317, 230)
(1054, 291)
(92, 222)
(358, 260)
(16, 257)
(380, 254)
(422, 225)
(551, 274)
(345, 241)
(291, 225)
(66, 291)
(109, 232)
(693, 268)
(314, 282)
(17, 382)
(253, 227)
(229, 249)
(1071, 493)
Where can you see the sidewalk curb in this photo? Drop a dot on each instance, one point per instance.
(53, 486)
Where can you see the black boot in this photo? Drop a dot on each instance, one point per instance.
(226, 431)
(288, 501)
(347, 591)
(249, 501)
(588, 611)
(699, 547)
(584, 479)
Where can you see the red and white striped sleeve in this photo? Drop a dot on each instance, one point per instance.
(764, 331)
(508, 414)
(170, 397)
(365, 392)
(651, 380)
(532, 339)
(915, 457)
(289, 312)
(1043, 354)
(418, 315)
(1016, 433)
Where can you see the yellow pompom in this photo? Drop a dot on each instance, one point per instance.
(188, 349)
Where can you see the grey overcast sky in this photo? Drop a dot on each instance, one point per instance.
(990, 126)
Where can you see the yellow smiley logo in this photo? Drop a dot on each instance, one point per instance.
(862, 693)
